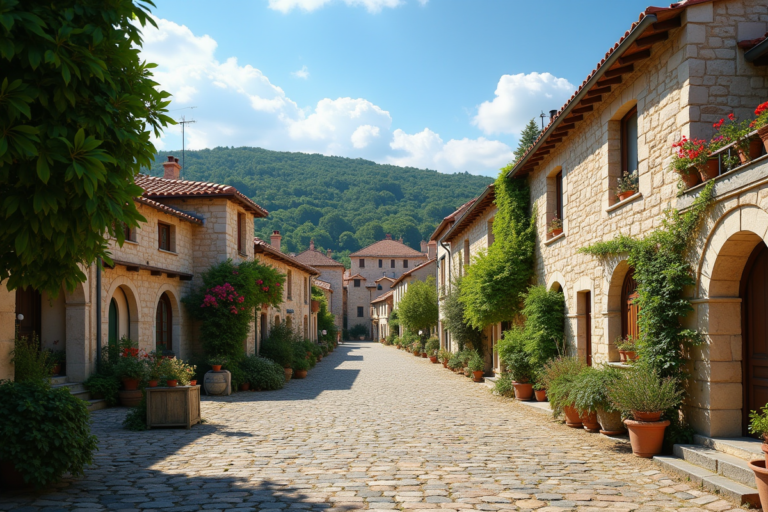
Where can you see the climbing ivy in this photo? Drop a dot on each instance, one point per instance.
(493, 286)
(662, 271)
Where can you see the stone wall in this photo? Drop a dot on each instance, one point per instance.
(334, 276)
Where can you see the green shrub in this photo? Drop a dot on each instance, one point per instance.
(476, 363)
(262, 373)
(279, 346)
(758, 422)
(513, 354)
(464, 356)
(642, 390)
(503, 385)
(30, 363)
(453, 309)
(590, 388)
(136, 419)
(46, 432)
(544, 313)
(558, 377)
(358, 330)
(103, 386)
(433, 346)
(444, 355)
(455, 362)
(301, 365)
(418, 310)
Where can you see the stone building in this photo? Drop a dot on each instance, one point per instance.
(471, 233)
(674, 73)
(190, 227)
(296, 309)
(331, 272)
(373, 270)
(381, 307)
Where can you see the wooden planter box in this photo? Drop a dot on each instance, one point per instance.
(173, 407)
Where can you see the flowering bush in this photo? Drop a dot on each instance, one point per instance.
(131, 363)
(729, 131)
(176, 369)
(761, 116)
(227, 301)
(690, 153)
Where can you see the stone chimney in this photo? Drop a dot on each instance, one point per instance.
(275, 239)
(171, 169)
(311, 245)
(387, 237)
(432, 250)
(329, 253)
(401, 240)
(424, 246)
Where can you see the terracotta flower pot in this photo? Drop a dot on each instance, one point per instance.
(690, 178)
(288, 374)
(467, 372)
(646, 437)
(630, 355)
(761, 480)
(572, 417)
(590, 422)
(300, 374)
(764, 447)
(424, 355)
(646, 416)
(193, 383)
(523, 390)
(709, 170)
(152, 383)
(610, 423)
(433, 359)
(755, 148)
(626, 195)
(763, 134)
(172, 383)
(245, 386)
(216, 367)
(478, 376)
(553, 233)
(130, 384)
(622, 356)
(56, 369)
(130, 398)
(541, 395)
(445, 364)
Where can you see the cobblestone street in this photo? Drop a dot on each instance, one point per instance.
(371, 427)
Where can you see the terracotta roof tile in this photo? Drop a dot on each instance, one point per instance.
(162, 188)
(450, 218)
(262, 247)
(382, 297)
(410, 272)
(169, 210)
(356, 276)
(317, 259)
(484, 201)
(323, 285)
(388, 249)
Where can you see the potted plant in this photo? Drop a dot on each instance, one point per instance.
(590, 398)
(539, 392)
(627, 186)
(476, 365)
(758, 424)
(731, 130)
(300, 368)
(761, 123)
(444, 356)
(555, 227)
(153, 369)
(433, 348)
(691, 161)
(57, 359)
(511, 349)
(645, 396)
(627, 348)
(557, 377)
(455, 363)
(217, 362)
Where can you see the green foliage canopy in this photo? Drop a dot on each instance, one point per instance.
(418, 307)
(77, 106)
(454, 320)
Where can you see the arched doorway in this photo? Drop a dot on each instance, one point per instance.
(754, 295)
(113, 329)
(164, 324)
(264, 326)
(630, 312)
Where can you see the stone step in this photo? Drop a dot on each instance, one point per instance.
(717, 462)
(745, 448)
(96, 405)
(73, 387)
(59, 379)
(710, 480)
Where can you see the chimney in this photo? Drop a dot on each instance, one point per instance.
(432, 250)
(401, 240)
(424, 246)
(311, 245)
(171, 169)
(329, 253)
(275, 239)
(552, 114)
(387, 237)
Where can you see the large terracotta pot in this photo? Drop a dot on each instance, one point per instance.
(572, 417)
(245, 386)
(763, 134)
(130, 384)
(130, 398)
(445, 364)
(433, 359)
(690, 178)
(626, 195)
(710, 170)
(288, 374)
(646, 416)
(541, 395)
(478, 376)
(590, 422)
(646, 437)
(761, 480)
(523, 390)
(216, 367)
(610, 422)
(300, 374)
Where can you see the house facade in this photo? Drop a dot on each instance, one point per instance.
(381, 307)
(675, 72)
(331, 272)
(373, 270)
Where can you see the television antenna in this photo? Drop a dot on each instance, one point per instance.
(184, 122)
(542, 116)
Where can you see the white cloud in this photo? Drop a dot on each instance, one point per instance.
(363, 135)
(373, 6)
(303, 73)
(518, 99)
(423, 2)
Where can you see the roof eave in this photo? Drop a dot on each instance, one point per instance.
(757, 51)
(457, 226)
(642, 26)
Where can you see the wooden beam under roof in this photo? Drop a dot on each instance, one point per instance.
(565, 127)
(583, 110)
(668, 24)
(619, 71)
(610, 81)
(573, 119)
(599, 90)
(634, 57)
(591, 100)
(652, 39)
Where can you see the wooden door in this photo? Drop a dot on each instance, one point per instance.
(29, 304)
(164, 324)
(113, 332)
(630, 312)
(588, 324)
(755, 324)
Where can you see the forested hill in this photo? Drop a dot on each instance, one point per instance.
(341, 203)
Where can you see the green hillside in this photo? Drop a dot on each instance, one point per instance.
(341, 203)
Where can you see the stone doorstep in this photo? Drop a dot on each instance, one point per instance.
(744, 448)
(723, 464)
(709, 480)
(77, 389)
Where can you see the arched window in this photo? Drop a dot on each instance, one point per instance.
(277, 320)
(630, 312)
(113, 331)
(163, 324)
(289, 323)
(263, 326)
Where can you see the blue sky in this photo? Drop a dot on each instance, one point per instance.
(440, 84)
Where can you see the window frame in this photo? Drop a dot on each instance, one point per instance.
(289, 284)
(360, 312)
(356, 283)
(630, 313)
(392, 264)
(623, 141)
(559, 195)
(405, 263)
(162, 226)
(361, 263)
(241, 234)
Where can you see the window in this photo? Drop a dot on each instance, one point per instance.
(165, 241)
(629, 142)
(630, 312)
(263, 327)
(381, 263)
(442, 275)
(289, 287)
(466, 252)
(241, 233)
(559, 195)
(306, 327)
(306, 287)
(361, 263)
(357, 283)
(405, 263)
(130, 233)
(392, 264)
(163, 324)
(360, 311)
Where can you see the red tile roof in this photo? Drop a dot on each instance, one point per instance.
(162, 188)
(446, 222)
(485, 201)
(356, 276)
(262, 247)
(388, 249)
(382, 297)
(383, 278)
(414, 269)
(169, 210)
(323, 285)
(650, 23)
(317, 259)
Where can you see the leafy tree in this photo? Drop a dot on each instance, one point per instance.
(403, 227)
(527, 137)
(453, 320)
(370, 233)
(418, 308)
(77, 106)
(348, 242)
(306, 213)
(334, 224)
(325, 319)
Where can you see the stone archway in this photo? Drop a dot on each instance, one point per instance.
(612, 307)
(581, 324)
(716, 400)
(176, 323)
(125, 293)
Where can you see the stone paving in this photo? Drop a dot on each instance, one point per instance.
(370, 428)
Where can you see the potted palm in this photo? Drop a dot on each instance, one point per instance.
(433, 348)
(590, 398)
(476, 366)
(557, 377)
(645, 396)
